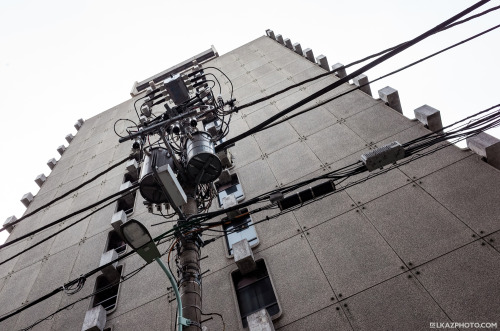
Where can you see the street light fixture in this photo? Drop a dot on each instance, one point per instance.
(137, 236)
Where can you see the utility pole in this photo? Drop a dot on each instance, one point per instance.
(188, 250)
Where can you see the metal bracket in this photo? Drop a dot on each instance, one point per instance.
(184, 321)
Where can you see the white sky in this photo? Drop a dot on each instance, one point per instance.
(64, 60)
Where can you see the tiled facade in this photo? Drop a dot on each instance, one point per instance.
(396, 252)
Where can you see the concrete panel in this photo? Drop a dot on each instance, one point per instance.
(89, 255)
(36, 254)
(72, 236)
(247, 91)
(293, 262)
(299, 65)
(274, 230)
(352, 253)
(474, 196)
(465, 283)
(137, 291)
(8, 252)
(322, 210)
(400, 303)
(375, 186)
(285, 102)
(241, 81)
(292, 162)
(349, 104)
(415, 225)
(85, 197)
(378, 122)
(141, 317)
(330, 318)
(277, 137)
(342, 142)
(246, 151)
(312, 121)
(100, 221)
(18, 294)
(259, 115)
(111, 183)
(260, 68)
(257, 169)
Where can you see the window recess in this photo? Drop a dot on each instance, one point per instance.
(108, 297)
(255, 291)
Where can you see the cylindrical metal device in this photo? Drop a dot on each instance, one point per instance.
(201, 158)
(149, 187)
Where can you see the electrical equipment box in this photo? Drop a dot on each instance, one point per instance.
(177, 89)
(172, 185)
(383, 156)
(150, 189)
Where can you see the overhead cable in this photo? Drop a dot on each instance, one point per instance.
(66, 194)
(357, 72)
(251, 103)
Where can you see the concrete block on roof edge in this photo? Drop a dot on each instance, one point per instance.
(61, 149)
(27, 199)
(323, 62)
(288, 43)
(95, 319)
(243, 256)
(429, 117)
(260, 321)
(297, 48)
(308, 54)
(391, 98)
(69, 138)
(486, 146)
(7, 224)
(339, 70)
(279, 38)
(40, 179)
(270, 34)
(361, 80)
(51, 163)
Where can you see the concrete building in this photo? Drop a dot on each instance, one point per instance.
(415, 246)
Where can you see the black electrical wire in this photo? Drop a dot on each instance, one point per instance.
(354, 63)
(356, 73)
(123, 279)
(66, 194)
(188, 224)
(58, 232)
(122, 192)
(379, 78)
(123, 119)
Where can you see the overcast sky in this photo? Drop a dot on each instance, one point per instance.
(64, 60)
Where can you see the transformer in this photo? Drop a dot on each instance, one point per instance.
(150, 189)
(202, 161)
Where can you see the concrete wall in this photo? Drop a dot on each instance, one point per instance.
(413, 246)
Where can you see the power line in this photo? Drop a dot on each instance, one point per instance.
(345, 171)
(356, 62)
(66, 194)
(379, 78)
(127, 190)
(357, 72)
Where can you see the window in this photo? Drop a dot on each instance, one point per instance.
(127, 201)
(116, 242)
(239, 229)
(233, 187)
(254, 292)
(109, 296)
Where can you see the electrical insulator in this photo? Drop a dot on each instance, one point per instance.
(220, 100)
(176, 129)
(136, 144)
(193, 122)
(158, 207)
